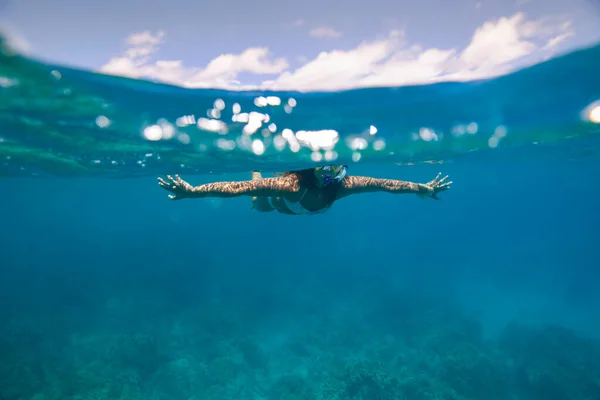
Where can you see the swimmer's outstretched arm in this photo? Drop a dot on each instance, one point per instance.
(266, 187)
(364, 184)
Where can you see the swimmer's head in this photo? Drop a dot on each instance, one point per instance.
(330, 174)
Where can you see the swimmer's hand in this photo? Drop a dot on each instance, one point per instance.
(179, 188)
(432, 188)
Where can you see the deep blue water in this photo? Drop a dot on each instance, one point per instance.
(109, 290)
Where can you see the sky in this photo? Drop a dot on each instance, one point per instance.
(307, 45)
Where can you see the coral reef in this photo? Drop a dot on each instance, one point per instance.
(217, 350)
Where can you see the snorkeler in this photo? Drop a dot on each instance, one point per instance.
(308, 191)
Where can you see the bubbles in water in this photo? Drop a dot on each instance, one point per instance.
(330, 155)
(494, 140)
(212, 125)
(357, 143)
(102, 121)
(427, 134)
(459, 130)
(162, 130)
(185, 120)
(168, 130)
(219, 104)
(471, 129)
(243, 117)
(288, 135)
(225, 144)
(255, 121)
(184, 138)
(258, 147)
(244, 142)
(267, 101)
(321, 142)
(260, 101)
(593, 112)
(214, 113)
(266, 132)
(279, 142)
(379, 145)
(291, 103)
(153, 132)
(7, 82)
(316, 140)
(273, 101)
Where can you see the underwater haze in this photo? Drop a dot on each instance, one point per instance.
(109, 290)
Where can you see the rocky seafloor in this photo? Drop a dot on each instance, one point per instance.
(140, 345)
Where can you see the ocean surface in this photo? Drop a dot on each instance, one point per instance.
(108, 290)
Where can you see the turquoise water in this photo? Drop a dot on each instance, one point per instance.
(110, 291)
(69, 122)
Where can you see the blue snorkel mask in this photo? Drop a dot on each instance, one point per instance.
(331, 173)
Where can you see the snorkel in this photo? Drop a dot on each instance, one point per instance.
(331, 174)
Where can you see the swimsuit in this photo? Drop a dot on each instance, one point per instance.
(296, 207)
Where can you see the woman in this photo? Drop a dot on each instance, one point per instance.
(308, 191)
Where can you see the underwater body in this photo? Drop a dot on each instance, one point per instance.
(109, 290)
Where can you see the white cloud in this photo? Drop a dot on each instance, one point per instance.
(329, 69)
(134, 61)
(499, 42)
(495, 48)
(325, 32)
(14, 39)
(145, 38)
(561, 37)
(221, 71)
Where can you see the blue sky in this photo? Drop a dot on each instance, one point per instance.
(420, 40)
